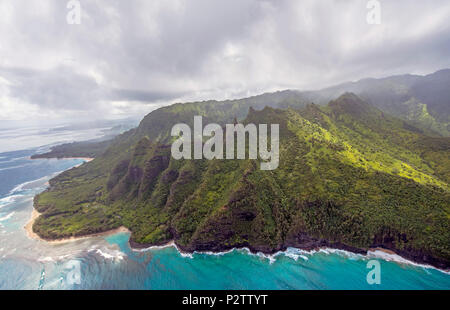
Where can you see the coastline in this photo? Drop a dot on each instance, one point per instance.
(386, 251)
(376, 252)
(32, 235)
(35, 214)
(371, 253)
(86, 159)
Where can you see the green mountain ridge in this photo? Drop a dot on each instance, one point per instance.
(424, 101)
(350, 176)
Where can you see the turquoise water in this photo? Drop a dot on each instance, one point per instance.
(109, 263)
(167, 269)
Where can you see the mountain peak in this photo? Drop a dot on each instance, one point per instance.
(349, 103)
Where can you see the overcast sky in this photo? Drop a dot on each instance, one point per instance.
(129, 57)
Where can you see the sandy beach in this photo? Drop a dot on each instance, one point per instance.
(86, 159)
(382, 250)
(35, 214)
(32, 235)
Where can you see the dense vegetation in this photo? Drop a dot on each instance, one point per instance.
(350, 176)
(422, 100)
(88, 149)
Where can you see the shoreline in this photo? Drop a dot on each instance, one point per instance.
(371, 253)
(86, 159)
(375, 253)
(386, 251)
(35, 214)
(32, 235)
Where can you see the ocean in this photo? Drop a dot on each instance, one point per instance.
(109, 263)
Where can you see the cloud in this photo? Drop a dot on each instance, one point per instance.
(60, 88)
(132, 56)
(143, 96)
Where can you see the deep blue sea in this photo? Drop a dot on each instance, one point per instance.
(109, 263)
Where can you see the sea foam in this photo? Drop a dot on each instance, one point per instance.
(7, 217)
(295, 254)
(112, 255)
